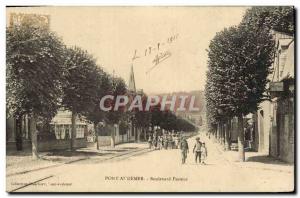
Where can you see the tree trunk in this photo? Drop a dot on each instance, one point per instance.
(215, 132)
(112, 141)
(241, 138)
(138, 134)
(135, 133)
(96, 136)
(219, 132)
(33, 131)
(224, 133)
(227, 140)
(145, 134)
(18, 130)
(73, 131)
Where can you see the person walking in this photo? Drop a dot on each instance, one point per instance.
(197, 150)
(165, 142)
(154, 141)
(176, 141)
(170, 141)
(203, 153)
(184, 147)
(150, 141)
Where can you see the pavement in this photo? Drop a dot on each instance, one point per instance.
(60, 157)
(134, 168)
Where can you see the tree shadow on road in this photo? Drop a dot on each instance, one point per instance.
(69, 153)
(267, 160)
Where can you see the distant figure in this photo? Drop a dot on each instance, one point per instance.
(165, 141)
(170, 140)
(184, 147)
(159, 142)
(203, 153)
(197, 150)
(150, 141)
(176, 141)
(154, 141)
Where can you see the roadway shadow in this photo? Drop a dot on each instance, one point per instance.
(265, 159)
(19, 153)
(68, 153)
(130, 148)
(114, 150)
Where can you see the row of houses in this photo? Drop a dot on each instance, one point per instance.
(275, 119)
(271, 129)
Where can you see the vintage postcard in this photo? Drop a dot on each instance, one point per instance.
(150, 99)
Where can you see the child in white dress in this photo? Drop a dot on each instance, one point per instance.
(203, 153)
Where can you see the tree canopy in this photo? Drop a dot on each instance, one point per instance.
(34, 70)
(81, 86)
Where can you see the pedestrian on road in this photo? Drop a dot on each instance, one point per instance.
(176, 140)
(154, 141)
(184, 147)
(160, 142)
(170, 141)
(197, 150)
(165, 142)
(150, 141)
(203, 153)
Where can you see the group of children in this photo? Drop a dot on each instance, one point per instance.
(173, 140)
(200, 151)
(168, 140)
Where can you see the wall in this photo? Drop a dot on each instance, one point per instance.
(106, 140)
(285, 133)
(264, 126)
(61, 144)
(48, 145)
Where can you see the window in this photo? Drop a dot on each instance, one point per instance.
(57, 131)
(80, 131)
(67, 131)
(62, 132)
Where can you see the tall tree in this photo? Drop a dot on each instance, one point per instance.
(240, 61)
(115, 116)
(96, 115)
(81, 86)
(278, 18)
(142, 117)
(34, 74)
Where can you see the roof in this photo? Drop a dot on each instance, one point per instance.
(287, 69)
(64, 117)
(284, 60)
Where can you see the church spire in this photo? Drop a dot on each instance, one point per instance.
(131, 84)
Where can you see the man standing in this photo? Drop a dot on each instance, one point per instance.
(184, 147)
(197, 150)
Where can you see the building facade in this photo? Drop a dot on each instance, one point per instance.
(55, 136)
(275, 118)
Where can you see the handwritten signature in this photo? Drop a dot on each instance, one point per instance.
(150, 49)
(159, 58)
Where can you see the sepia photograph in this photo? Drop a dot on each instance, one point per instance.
(144, 99)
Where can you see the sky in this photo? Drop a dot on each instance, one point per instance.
(113, 35)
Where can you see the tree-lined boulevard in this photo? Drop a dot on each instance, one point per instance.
(157, 168)
(117, 138)
(44, 75)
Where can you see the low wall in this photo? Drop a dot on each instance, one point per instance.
(11, 146)
(61, 144)
(106, 140)
(48, 145)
